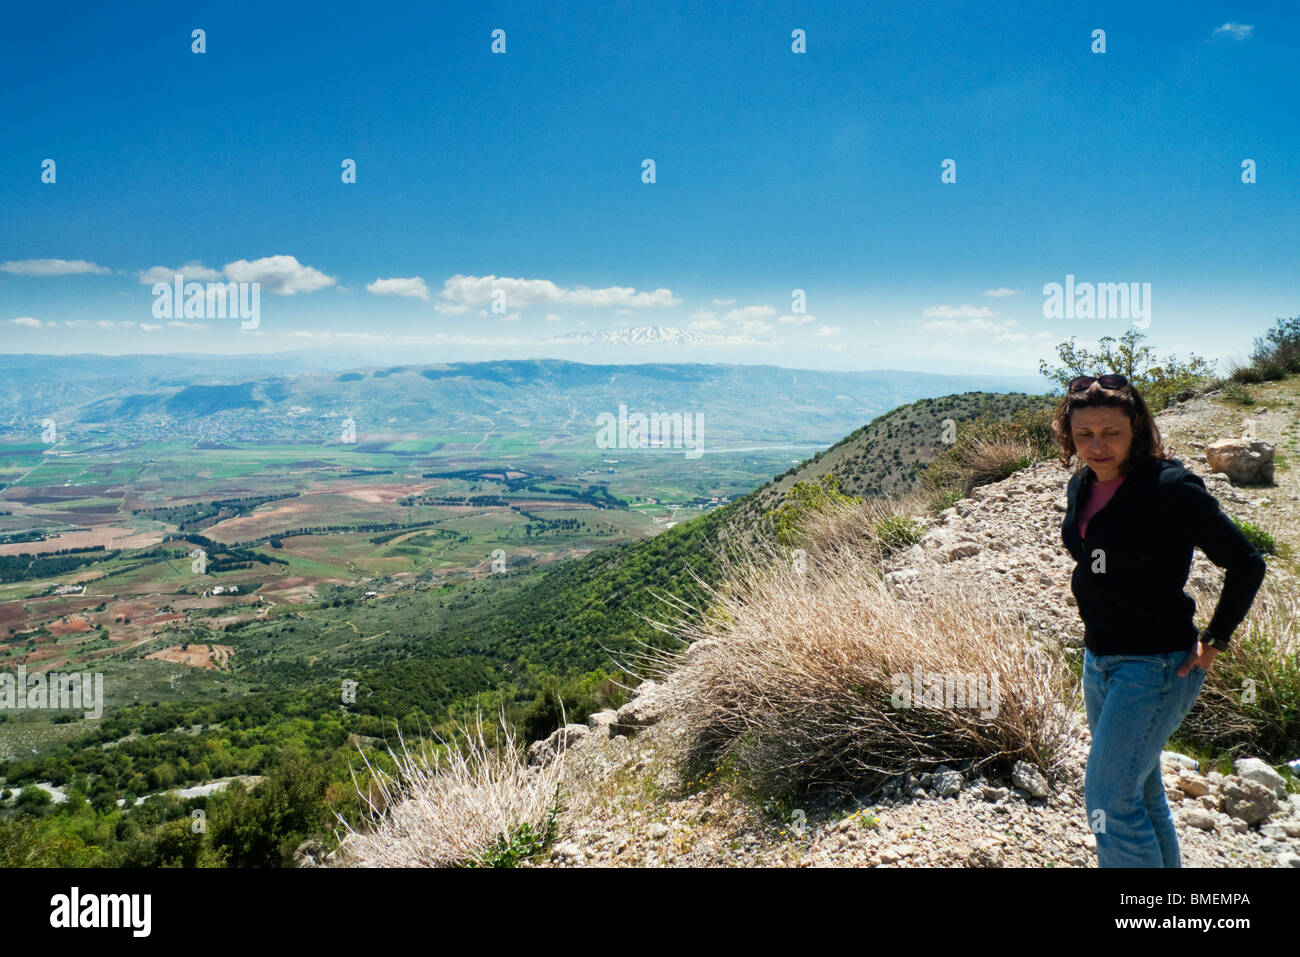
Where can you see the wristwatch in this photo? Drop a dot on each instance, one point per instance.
(1220, 644)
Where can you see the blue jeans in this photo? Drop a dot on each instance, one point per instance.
(1134, 703)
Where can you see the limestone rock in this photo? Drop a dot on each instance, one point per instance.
(1247, 801)
(1198, 817)
(947, 546)
(947, 783)
(1192, 784)
(1245, 461)
(542, 753)
(1027, 776)
(1253, 769)
(644, 710)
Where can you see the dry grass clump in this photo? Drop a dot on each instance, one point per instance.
(873, 528)
(471, 805)
(988, 450)
(789, 677)
(1250, 701)
(979, 460)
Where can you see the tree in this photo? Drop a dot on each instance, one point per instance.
(1157, 383)
(261, 828)
(34, 801)
(1279, 348)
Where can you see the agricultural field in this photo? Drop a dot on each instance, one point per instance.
(118, 552)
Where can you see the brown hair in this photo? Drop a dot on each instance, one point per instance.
(1146, 436)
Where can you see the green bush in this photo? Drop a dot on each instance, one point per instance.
(1262, 540)
(1235, 392)
(581, 697)
(802, 500)
(898, 531)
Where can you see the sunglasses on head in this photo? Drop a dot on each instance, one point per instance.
(1111, 380)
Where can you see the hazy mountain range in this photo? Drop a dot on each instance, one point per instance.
(297, 397)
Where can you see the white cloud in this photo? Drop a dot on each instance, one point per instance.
(998, 331)
(76, 323)
(192, 271)
(751, 320)
(828, 331)
(413, 288)
(749, 312)
(27, 321)
(282, 275)
(799, 319)
(964, 311)
(177, 324)
(469, 291)
(324, 334)
(1001, 292)
(724, 302)
(552, 317)
(52, 267)
(150, 326)
(1238, 31)
(707, 322)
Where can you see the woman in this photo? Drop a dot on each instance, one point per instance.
(1133, 517)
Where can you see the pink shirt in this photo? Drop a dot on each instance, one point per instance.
(1101, 494)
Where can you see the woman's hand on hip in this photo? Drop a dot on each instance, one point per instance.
(1202, 658)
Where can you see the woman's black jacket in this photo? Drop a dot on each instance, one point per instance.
(1132, 567)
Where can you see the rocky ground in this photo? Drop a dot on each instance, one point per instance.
(629, 808)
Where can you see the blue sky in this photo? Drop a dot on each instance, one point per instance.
(521, 173)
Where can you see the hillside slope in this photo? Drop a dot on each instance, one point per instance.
(577, 615)
(886, 455)
(630, 809)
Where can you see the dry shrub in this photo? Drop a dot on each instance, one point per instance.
(989, 450)
(980, 460)
(453, 807)
(862, 526)
(788, 677)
